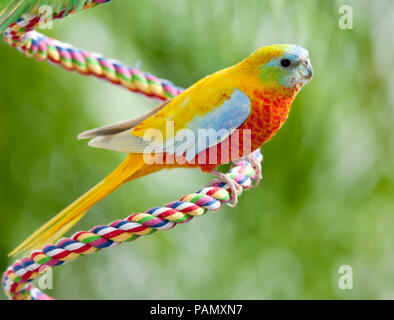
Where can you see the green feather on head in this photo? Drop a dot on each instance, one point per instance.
(12, 10)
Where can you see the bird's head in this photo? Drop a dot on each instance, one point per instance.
(282, 67)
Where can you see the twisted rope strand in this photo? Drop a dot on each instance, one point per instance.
(22, 36)
(16, 279)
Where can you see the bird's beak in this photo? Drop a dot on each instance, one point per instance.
(308, 69)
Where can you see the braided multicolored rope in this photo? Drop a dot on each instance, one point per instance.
(17, 278)
(22, 36)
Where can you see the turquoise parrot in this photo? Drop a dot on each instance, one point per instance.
(253, 97)
(219, 119)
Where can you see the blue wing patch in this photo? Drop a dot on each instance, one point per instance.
(212, 128)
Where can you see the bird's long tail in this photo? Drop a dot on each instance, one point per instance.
(62, 222)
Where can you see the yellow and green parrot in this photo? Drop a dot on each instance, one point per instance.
(253, 96)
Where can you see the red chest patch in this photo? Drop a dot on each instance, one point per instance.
(268, 114)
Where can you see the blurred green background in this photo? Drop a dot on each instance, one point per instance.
(326, 199)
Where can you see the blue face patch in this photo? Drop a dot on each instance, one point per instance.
(298, 72)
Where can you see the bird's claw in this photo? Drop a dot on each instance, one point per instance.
(256, 165)
(236, 188)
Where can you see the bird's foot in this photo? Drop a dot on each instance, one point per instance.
(236, 188)
(256, 165)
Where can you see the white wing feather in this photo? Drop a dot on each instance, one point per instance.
(222, 121)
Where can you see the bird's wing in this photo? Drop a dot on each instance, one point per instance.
(12, 10)
(197, 119)
(120, 126)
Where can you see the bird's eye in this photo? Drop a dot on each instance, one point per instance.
(285, 63)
